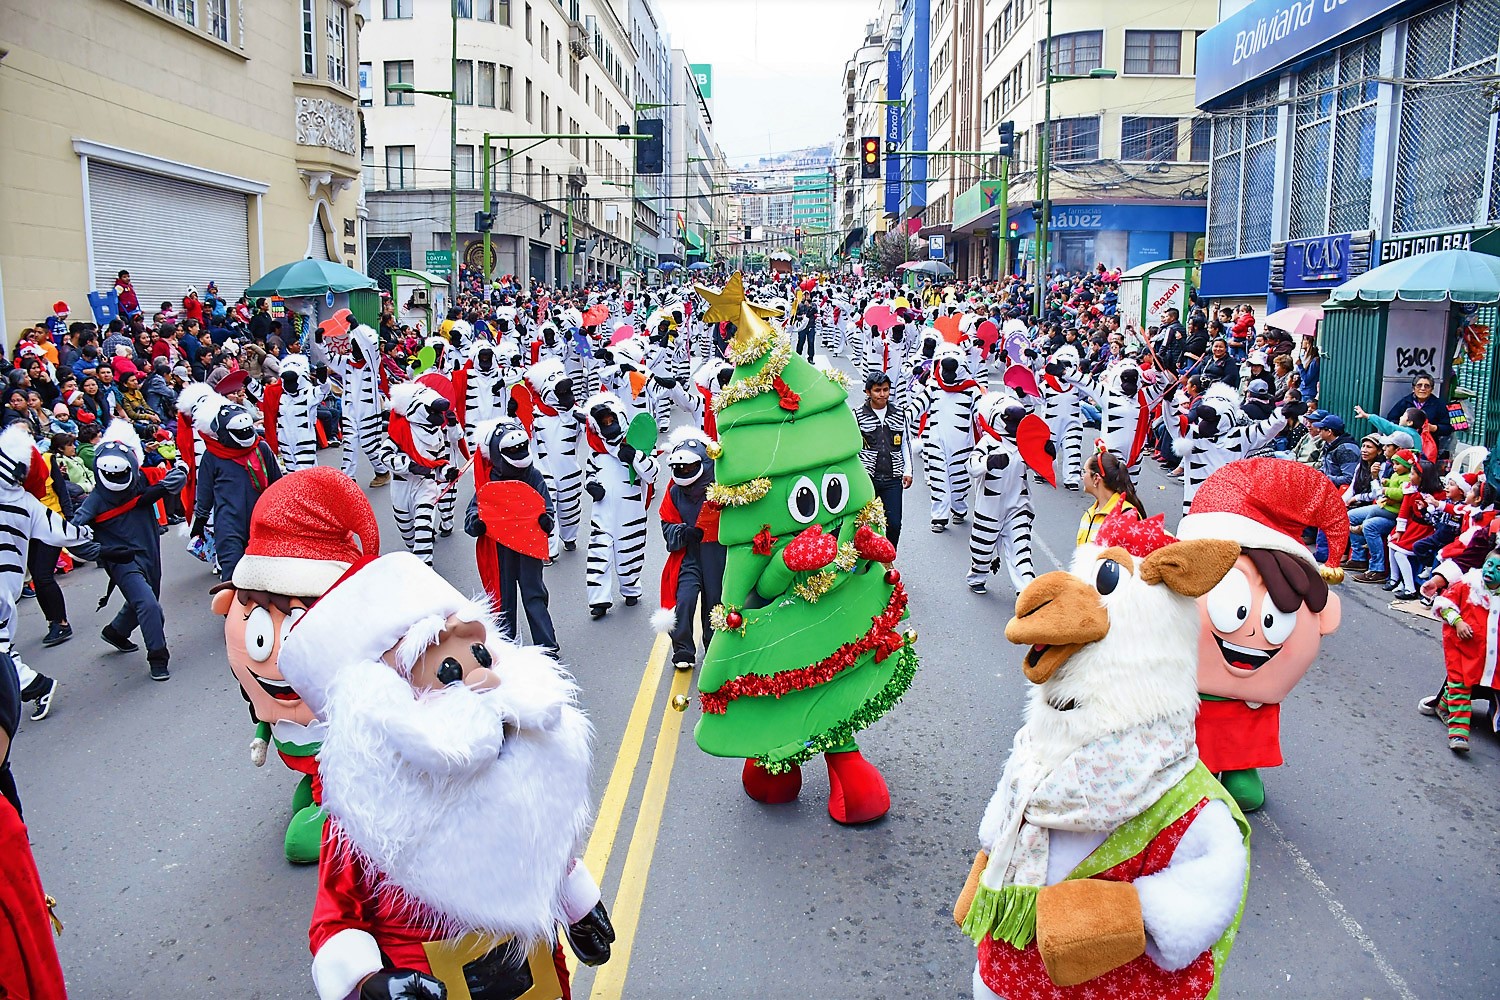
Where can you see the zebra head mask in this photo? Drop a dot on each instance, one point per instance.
(117, 457)
(507, 444)
(16, 449)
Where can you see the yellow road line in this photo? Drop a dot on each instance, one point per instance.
(625, 912)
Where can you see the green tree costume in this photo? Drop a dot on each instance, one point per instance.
(805, 651)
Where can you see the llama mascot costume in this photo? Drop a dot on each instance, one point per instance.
(455, 775)
(1111, 859)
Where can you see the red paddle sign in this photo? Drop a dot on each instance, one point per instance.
(509, 510)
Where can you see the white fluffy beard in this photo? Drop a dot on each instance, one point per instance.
(470, 804)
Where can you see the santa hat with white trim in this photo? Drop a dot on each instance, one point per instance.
(1266, 503)
(307, 529)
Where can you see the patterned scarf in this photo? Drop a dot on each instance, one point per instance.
(1096, 788)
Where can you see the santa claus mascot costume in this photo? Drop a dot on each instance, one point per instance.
(422, 433)
(942, 418)
(1110, 859)
(455, 772)
(290, 405)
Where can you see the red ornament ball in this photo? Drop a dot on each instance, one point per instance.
(892, 577)
(734, 619)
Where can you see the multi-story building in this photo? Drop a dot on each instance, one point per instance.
(1348, 138)
(693, 156)
(867, 83)
(1129, 155)
(183, 142)
(653, 87)
(910, 127)
(523, 69)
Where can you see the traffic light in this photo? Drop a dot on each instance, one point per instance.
(1014, 229)
(1007, 138)
(1036, 212)
(869, 158)
(484, 221)
(747, 234)
(648, 151)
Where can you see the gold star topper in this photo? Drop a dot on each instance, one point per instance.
(728, 305)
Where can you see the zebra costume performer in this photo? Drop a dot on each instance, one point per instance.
(291, 406)
(423, 431)
(1214, 437)
(942, 416)
(363, 421)
(23, 520)
(481, 388)
(1124, 412)
(619, 481)
(1061, 400)
(1002, 502)
(550, 415)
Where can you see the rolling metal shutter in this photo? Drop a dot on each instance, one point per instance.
(167, 233)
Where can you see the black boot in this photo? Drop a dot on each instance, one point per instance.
(157, 659)
(115, 639)
(597, 611)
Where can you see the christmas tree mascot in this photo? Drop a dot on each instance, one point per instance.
(805, 651)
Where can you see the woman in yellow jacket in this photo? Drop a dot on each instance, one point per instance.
(1107, 480)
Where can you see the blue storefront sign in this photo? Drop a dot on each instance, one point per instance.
(1269, 34)
(1312, 265)
(1147, 246)
(1246, 276)
(1146, 219)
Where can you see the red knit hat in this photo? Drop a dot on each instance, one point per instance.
(302, 534)
(1265, 503)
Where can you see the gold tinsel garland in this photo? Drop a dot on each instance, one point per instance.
(741, 495)
(847, 558)
(718, 619)
(872, 515)
(749, 388)
(815, 586)
(754, 348)
(838, 378)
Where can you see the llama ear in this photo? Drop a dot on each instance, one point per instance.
(1190, 568)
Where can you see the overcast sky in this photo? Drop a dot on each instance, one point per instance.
(777, 66)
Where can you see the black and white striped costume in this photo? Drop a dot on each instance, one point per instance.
(1001, 530)
(1061, 399)
(942, 416)
(1213, 438)
(297, 414)
(486, 379)
(23, 520)
(555, 431)
(363, 420)
(420, 464)
(617, 520)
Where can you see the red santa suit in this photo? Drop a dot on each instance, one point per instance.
(1471, 662)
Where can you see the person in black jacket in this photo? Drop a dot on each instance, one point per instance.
(1422, 397)
(504, 444)
(694, 571)
(121, 510)
(237, 466)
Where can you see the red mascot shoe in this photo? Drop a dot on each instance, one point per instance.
(772, 789)
(856, 792)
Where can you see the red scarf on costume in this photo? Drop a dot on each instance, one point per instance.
(708, 520)
(250, 459)
(400, 431)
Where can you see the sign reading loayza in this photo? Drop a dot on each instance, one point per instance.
(1268, 34)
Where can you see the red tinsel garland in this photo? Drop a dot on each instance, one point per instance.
(882, 638)
(764, 542)
(789, 399)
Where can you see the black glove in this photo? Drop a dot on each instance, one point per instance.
(477, 529)
(1050, 448)
(511, 406)
(997, 461)
(595, 490)
(402, 984)
(666, 381)
(693, 533)
(544, 521)
(1171, 391)
(591, 937)
(450, 473)
(1293, 408)
(200, 525)
(626, 452)
(115, 554)
(321, 373)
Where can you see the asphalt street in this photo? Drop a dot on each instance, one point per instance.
(1375, 872)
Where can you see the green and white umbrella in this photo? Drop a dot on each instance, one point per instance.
(1444, 276)
(309, 277)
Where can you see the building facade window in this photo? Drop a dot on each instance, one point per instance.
(1333, 141)
(463, 83)
(529, 100)
(400, 167)
(463, 160)
(464, 8)
(309, 40)
(1243, 175)
(528, 176)
(218, 19)
(485, 84)
(400, 71)
(1150, 139)
(1201, 150)
(1081, 52)
(528, 25)
(502, 87)
(1446, 127)
(1153, 53)
(338, 43)
(184, 10)
(397, 9)
(1075, 139)
(367, 163)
